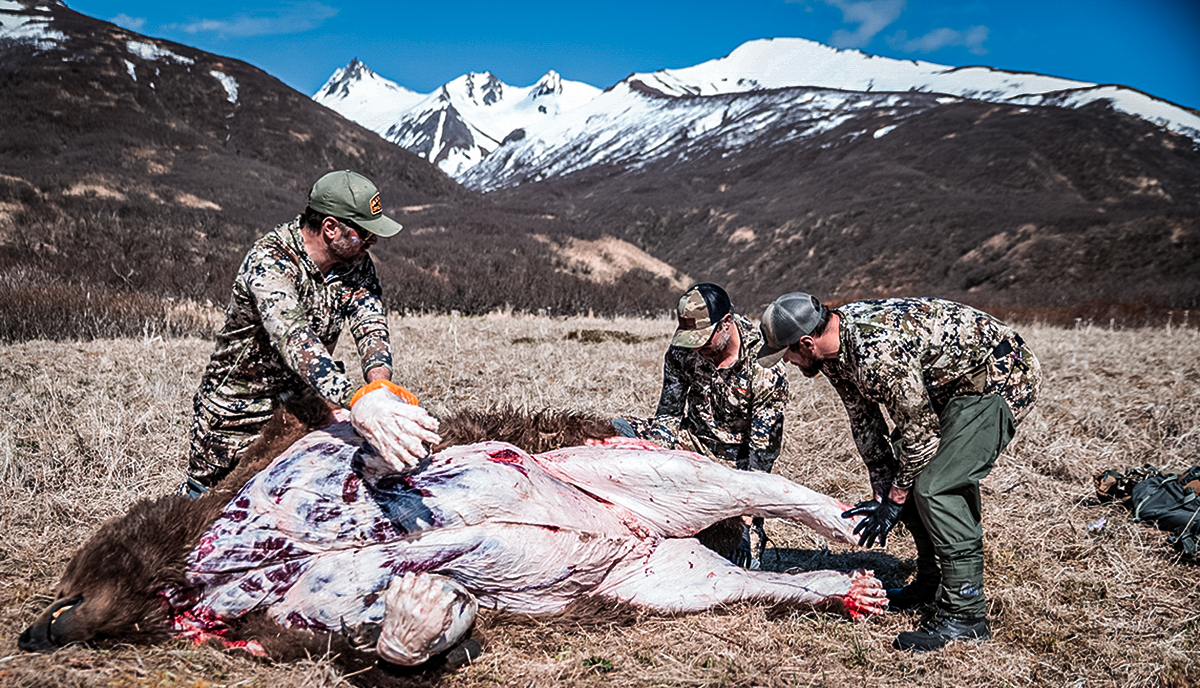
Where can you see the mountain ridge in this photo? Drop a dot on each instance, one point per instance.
(783, 63)
(459, 123)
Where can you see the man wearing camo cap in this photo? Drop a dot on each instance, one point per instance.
(955, 382)
(715, 399)
(295, 290)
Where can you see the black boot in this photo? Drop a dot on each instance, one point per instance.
(939, 630)
(921, 591)
(915, 594)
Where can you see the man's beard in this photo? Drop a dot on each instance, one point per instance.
(716, 348)
(811, 370)
(347, 248)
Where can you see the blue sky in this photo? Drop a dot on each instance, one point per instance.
(1152, 45)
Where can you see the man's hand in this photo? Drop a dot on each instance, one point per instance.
(880, 518)
(394, 428)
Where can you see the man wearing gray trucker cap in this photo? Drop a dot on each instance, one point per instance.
(955, 382)
(296, 288)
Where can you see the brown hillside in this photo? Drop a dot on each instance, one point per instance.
(1085, 211)
(163, 181)
(116, 192)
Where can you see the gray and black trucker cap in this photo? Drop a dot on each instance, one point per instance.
(784, 322)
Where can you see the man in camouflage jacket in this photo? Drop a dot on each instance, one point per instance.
(955, 383)
(715, 399)
(296, 288)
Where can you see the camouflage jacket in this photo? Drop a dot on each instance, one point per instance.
(721, 406)
(282, 324)
(911, 356)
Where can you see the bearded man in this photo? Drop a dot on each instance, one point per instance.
(716, 400)
(296, 289)
(955, 383)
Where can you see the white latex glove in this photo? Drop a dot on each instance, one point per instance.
(424, 614)
(395, 429)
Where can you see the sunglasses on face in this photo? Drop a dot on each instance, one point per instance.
(363, 234)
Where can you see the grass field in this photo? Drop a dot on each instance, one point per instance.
(88, 428)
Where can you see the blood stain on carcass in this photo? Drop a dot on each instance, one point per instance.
(350, 488)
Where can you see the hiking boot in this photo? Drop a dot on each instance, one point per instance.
(939, 630)
(915, 594)
(758, 545)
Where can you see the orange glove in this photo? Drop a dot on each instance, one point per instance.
(405, 395)
(397, 429)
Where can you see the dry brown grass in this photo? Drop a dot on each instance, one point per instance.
(86, 428)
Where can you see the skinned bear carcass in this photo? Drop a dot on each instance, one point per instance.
(397, 565)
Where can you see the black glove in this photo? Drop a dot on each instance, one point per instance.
(880, 518)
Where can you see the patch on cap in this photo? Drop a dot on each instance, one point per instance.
(353, 198)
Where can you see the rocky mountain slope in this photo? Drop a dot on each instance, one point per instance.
(652, 115)
(1077, 212)
(135, 166)
(135, 171)
(791, 165)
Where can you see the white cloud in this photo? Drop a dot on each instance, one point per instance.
(132, 23)
(972, 39)
(872, 16)
(289, 18)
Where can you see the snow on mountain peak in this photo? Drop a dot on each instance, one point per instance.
(790, 62)
(28, 25)
(796, 62)
(457, 124)
(461, 123)
(549, 84)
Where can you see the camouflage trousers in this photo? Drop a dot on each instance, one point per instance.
(217, 443)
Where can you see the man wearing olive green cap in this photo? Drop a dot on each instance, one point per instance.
(296, 288)
(715, 399)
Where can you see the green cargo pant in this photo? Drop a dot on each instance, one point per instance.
(944, 512)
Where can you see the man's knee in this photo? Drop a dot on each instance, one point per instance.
(214, 451)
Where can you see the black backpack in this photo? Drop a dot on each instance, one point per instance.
(1167, 500)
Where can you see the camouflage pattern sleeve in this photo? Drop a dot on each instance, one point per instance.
(368, 322)
(674, 388)
(870, 433)
(766, 422)
(917, 425)
(286, 322)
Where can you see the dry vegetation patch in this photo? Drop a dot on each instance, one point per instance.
(86, 428)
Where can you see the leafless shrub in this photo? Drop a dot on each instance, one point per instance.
(52, 309)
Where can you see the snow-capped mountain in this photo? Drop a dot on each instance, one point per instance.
(798, 86)
(457, 125)
(791, 62)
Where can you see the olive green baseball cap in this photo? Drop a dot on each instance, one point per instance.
(700, 309)
(353, 198)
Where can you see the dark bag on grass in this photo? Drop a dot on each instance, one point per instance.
(1168, 500)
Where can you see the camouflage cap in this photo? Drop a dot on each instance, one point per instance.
(351, 197)
(700, 309)
(784, 322)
